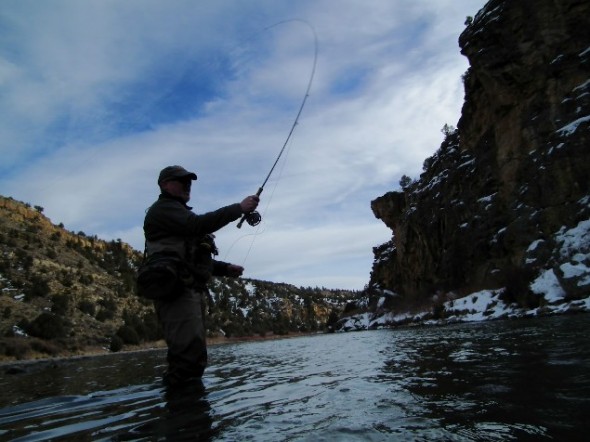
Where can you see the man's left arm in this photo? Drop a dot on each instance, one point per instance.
(221, 268)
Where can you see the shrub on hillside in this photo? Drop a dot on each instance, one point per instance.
(109, 304)
(38, 287)
(517, 288)
(128, 335)
(332, 319)
(153, 330)
(87, 306)
(105, 315)
(17, 348)
(116, 344)
(61, 304)
(85, 279)
(47, 326)
(45, 347)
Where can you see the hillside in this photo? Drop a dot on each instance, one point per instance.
(504, 204)
(65, 293)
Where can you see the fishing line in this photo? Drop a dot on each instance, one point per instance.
(259, 225)
(267, 205)
(257, 232)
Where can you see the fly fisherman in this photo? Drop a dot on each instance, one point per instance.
(172, 230)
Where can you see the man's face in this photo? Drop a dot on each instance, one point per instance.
(178, 187)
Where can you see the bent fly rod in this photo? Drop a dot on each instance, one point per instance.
(253, 218)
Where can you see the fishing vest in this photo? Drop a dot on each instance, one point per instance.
(195, 256)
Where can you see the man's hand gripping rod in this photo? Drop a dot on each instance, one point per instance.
(253, 218)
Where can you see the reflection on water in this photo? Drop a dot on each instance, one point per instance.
(186, 415)
(520, 380)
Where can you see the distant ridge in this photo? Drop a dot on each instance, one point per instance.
(65, 293)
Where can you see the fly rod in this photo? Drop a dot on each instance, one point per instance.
(253, 218)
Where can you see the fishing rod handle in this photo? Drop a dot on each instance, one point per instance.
(244, 216)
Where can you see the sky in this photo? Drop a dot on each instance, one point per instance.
(96, 97)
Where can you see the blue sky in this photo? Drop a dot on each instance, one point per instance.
(98, 96)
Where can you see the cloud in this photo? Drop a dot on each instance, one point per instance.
(99, 96)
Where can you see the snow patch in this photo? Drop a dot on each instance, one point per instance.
(575, 240)
(570, 128)
(548, 285)
(19, 331)
(250, 288)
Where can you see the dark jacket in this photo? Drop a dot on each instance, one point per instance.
(171, 228)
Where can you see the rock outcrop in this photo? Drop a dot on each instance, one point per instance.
(492, 206)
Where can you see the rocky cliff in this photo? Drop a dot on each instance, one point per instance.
(494, 205)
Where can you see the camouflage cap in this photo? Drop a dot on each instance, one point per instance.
(173, 172)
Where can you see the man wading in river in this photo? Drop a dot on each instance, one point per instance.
(180, 243)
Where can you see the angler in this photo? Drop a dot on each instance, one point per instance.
(178, 263)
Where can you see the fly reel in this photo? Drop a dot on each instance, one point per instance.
(253, 218)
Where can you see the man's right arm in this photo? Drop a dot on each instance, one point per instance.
(174, 218)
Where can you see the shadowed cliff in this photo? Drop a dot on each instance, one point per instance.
(493, 203)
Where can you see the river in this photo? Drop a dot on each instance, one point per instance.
(526, 379)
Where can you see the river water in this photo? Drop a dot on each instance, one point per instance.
(494, 381)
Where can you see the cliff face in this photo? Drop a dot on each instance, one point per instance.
(491, 204)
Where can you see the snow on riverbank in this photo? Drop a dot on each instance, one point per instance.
(479, 306)
(570, 275)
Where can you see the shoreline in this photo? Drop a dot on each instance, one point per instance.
(152, 346)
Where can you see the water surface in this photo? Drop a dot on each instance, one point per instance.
(495, 381)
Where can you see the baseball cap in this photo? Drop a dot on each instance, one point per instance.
(173, 172)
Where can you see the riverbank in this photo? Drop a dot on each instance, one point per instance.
(18, 365)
